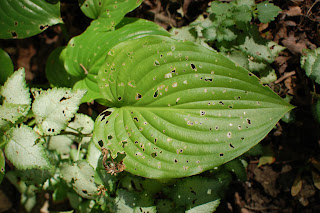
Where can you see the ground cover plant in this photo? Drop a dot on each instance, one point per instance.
(178, 119)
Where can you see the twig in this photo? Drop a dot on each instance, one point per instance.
(286, 75)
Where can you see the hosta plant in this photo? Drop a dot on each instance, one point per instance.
(178, 115)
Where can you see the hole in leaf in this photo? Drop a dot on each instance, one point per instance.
(231, 145)
(208, 79)
(43, 27)
(136, 119)
(193, 66)
(248, 121)
(221, 154)
(110, 137)
(242, 138)
(154, 154)
(138, 96)
(15, 23)
(175, 160)
(220, 102)
(119, 99)
(100, 143)
(156, 93)
(14, 34)
(136, 142)
(123, 143)
(156, 63)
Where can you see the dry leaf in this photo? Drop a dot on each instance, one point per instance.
(297, 186)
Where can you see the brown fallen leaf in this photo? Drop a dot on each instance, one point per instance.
(294, 44)
(297, 186)
(293, 11)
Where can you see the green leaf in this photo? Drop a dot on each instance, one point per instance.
(151, 209)
(207, 207)
(55, 71)
(6, 68)
(81, 176)
(112, 10)
(2, 165)
(25, 18)
(196, 191)
(16, 97)
(179, 109)
(23, 151)
(267, 11)
(86, 53)
(60, 143)
(93, 155)
(81, 124)
(310, 62)
(15, 90)
(54, 108)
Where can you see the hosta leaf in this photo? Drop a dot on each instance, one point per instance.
(310, 62)
(86, 53)
(6, 68)
(54, 108)
(112, 10)
(81, 176)
(55, 71)
(25, 18)
(179, 108)
(23, 151)
(267, 11)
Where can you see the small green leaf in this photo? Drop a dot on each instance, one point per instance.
(6, 68)
(16, 95)
(2, 165)
(207, 207)
(60, 143)
(81, 124)
(55, 71)
(55, 107)
(310, 62)
(25, 18)
(85, 53)
(111, 10)
(267, 11)
(179, 109)
(195, 191)
(23, 151)
(15, 90)
(81, 176)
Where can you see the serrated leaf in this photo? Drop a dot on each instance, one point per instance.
(15, 90)
(60, 143)
(180, 109)
(25, 18)
(82, 123)
(86, 53)
(55, 71)
(267, 11)
(269, 78)
(112, 10)
(23, 151)
(2, 165)
(6, 68)
(12, 112)
(207, 207)
(93, 155)
(55, 107)
(81, 176)
(310, 62)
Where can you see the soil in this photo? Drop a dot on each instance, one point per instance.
(283, 185)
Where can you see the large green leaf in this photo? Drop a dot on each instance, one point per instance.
(6, 68)
(25, 18)
(112, 10)
(86, 53)
(179, 108)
